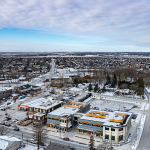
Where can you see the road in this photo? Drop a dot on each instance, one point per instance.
(26, 135)
(144, 142)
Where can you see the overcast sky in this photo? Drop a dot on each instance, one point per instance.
(79, 25)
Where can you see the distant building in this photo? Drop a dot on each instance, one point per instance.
(28, 88)
(112, 126)
(5, 92)
(64, 117)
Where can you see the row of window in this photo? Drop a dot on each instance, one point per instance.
(39, 110)
(35, 117)
(90, 124)
(120, 138)
(113, 129)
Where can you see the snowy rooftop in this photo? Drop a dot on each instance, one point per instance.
(64, 111)
(67, 109)
(116, 115)
(5, 88)
(42, 103)
(9, 138)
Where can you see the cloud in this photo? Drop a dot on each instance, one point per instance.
(124, 20)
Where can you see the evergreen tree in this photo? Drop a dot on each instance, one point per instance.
(90, 87)
(91, 145)
(76, 81)
(96, 88)
(108, 79)
(140, 82)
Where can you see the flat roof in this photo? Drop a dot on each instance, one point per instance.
(109, 119)
(42, 103)
(67, 109)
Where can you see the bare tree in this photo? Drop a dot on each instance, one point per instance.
(3, 130)
(39, 133)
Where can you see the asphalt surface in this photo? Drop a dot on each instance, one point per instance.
(27, 135)
(145, 139)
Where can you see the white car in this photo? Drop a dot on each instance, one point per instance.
(15, 120)
(33, 141)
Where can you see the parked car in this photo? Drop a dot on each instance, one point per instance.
(134, 116)
(16, 129)
(33, 141)
(8, 103)
(18, 122)
(66, 138)
(15, 120)
(42, 144)
(7, 124)
(3, 109)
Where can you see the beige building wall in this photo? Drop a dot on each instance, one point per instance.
(116, 133)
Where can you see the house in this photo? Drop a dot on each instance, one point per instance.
(5, 92)
(10, 143)
(28, 88)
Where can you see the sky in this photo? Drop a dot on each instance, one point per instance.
(75, 26)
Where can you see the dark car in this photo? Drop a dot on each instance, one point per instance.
(8, 103)
(42, 144)
(3, 109)
(134, 116)
(7, 124)
(16, 129)
(66, 138)
(8, 118)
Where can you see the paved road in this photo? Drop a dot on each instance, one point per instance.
(145, 139)
(27, 135)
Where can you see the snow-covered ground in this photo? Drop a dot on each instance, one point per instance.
(139, 133)
(138, 117)
(143, 106)
(29, 147)
(147, 107)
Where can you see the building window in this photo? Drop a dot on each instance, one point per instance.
(120, 137)
(34, 117)
(112, 137)
(106, 128)
(38, 118)
(43, 111)
(112, 129)
(106, 136)
(120, 129)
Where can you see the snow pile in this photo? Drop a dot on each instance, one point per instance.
(143, 106)
(138, 118)
(3, 144)
(29, 147)
(147, 107)
(139, 133)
